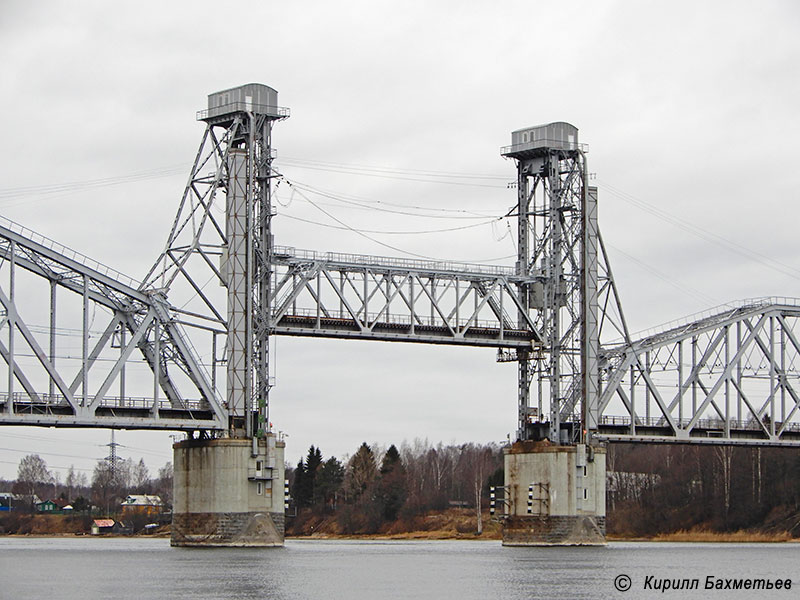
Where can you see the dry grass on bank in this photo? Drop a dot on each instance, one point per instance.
(450, 524)
(737, 537)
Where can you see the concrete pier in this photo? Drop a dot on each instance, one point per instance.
(556, 495)
(226, 496)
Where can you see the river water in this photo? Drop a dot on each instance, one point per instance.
(143, 568)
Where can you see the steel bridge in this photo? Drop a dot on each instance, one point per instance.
(726, 377)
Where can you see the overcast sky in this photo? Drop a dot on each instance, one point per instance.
(689, 110)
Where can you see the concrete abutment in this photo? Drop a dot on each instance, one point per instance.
(555, 495)
(226, 496)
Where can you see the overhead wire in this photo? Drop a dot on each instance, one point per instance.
(346, 226)
(379, 205)
(383, 232)
(702, 233)
(68, 187)
(697, 294)
(398, 174)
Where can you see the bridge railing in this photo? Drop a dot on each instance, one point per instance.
(396, 319)
(397, 263)
(69, 253)
(702, 424)
(708, 313)
(45, 401)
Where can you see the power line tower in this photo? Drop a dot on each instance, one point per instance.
(113, 458)
(557, 248)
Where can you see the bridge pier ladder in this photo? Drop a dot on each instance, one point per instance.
(557, 495)
(227, 494)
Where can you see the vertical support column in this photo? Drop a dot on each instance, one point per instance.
(554, 290)
(251, 211)
(122, 345)
(51, 387)
(772, 375)
(739, 373)
(590, 336)
(85, 345)
(262, 154)
(236, 225)
(523, 258)
(156, 366)
(727, 383)
(12, 325)
(680, 383)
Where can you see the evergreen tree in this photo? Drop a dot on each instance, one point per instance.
(299, 485)
(392, 486)
(328, 481)
(361, 472)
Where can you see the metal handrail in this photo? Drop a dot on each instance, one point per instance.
(397, 263)
(396, 319)
(243, 106)
(720, 309)
(546, 143)
(713, 424)
(137, 402)
(69, 252)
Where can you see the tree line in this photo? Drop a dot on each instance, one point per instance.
(655, 489)
(377, 486)
(109, 485)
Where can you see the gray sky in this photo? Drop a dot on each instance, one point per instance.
(689, 109)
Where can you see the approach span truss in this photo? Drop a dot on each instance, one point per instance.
(729, 377)
(93, 376)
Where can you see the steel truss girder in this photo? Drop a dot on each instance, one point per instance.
(74, 398)
(731, 377)
(396, 300)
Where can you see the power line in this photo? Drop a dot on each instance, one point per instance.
(417, 232)
(704, 234)
(391, 169)
(380, 204)
(698, 295)
(418, 176)
(62, 188)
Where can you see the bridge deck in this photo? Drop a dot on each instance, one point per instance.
(705, 431)
(112, 412)
(344, 328)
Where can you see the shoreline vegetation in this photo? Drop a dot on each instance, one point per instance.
(449, 524)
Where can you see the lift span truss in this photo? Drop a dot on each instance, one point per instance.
(731, 377)
(368, 297)
(125, 331)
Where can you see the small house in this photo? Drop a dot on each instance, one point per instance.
(7, 501)
(46, 506)
(102, 526)
(142, 504)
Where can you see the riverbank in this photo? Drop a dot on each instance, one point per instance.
(451, 524)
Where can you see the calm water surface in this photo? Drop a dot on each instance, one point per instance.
(139, 568)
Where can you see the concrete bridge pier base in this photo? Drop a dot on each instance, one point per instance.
(225, 496)
(556, 495)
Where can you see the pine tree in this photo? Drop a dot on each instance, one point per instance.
(299, 484)
(392, 486)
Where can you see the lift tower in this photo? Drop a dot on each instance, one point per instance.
(229, 489)
(557, 231)
(556, 492)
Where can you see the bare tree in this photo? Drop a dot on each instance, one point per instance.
(140, 476)
(31, 473)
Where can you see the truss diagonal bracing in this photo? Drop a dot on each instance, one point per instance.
(730, 377)
(92, 376)
(367, 297)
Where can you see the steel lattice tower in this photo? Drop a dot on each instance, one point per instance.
(557, 248)
(238, 145)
